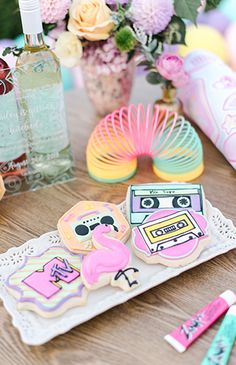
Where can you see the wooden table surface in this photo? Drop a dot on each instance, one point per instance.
(132, 332)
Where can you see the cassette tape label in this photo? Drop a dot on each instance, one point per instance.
(168, 228)
(170, 231)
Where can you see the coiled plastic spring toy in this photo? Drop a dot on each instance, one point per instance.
(121, 137)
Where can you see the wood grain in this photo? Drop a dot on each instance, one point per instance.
(132, 332)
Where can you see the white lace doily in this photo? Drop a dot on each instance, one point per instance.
(35, 330)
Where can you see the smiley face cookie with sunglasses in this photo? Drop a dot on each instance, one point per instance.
(76, 225)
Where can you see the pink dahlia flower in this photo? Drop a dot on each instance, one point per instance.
(152, 16)
(54, 10)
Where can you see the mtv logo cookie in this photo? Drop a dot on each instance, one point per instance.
(143, 200)
(172, 238)
(49, 284)
(77, 225)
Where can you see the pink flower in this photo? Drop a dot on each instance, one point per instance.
(170, 66)
(54, 10)
(152, 16)
(182, 80)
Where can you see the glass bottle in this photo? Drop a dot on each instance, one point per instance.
(42, 99)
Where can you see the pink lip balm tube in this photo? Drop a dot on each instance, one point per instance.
(183, 336)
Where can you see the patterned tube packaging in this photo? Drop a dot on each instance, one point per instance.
(209, 99)
(221, 347)
(183, 336)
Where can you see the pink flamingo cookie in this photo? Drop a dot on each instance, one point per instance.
(171, 237)
(109, 263)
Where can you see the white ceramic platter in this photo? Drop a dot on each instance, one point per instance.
(35, 330)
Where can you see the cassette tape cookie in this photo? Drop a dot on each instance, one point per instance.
(143, 200)
(170, 237)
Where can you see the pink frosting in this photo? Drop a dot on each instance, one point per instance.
(112, 257)
(46, 281)
(175, 252)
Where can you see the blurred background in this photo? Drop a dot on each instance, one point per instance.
(216, 32)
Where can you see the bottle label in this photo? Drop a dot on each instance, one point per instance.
(46, 113)
(11, 137)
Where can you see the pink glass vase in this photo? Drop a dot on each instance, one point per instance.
(108, 77)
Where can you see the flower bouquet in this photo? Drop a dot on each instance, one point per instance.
(105, 36)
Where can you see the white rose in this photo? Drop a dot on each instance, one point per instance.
(68, 49)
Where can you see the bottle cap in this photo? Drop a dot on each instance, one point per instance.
(30, 16)
(229, 296)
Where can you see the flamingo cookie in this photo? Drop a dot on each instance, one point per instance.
(109, 263)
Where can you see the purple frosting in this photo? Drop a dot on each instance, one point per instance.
(35, 301)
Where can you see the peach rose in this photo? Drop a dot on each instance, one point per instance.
(90, 19)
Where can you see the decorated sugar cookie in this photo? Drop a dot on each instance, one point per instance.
(77, 225)
(143, 200)
(109, 263)
(171, 237)
(49, 284)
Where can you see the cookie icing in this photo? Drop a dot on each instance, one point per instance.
(77, 225)
(108, 264)
(49, 282)
(110, 258)
(145, 199)
(171, 237)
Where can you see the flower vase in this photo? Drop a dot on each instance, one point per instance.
(169, 100)
(108, 77)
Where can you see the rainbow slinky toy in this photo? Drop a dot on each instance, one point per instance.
(121, 137)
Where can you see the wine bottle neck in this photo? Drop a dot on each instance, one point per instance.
(34, 40)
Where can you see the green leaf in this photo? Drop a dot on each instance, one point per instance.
(153, 45)
(154, 78)
(212, 4)
(6, 51)
(48, 27)
(175, 32)
(187, 9)
(14, 50)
